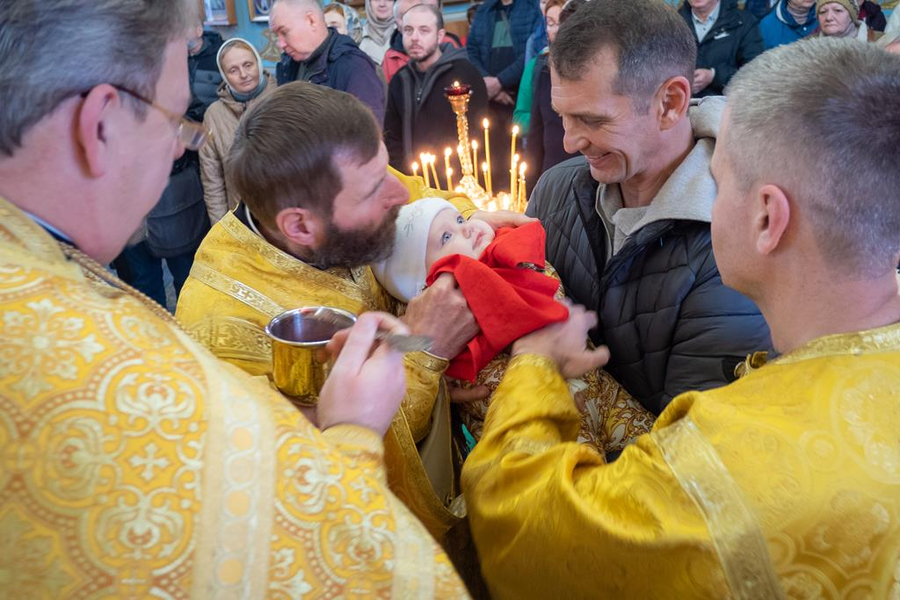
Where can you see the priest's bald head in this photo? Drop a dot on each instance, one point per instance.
(310, 165)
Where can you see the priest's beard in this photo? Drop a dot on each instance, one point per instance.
(352, 248)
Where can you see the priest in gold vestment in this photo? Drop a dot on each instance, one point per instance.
(303, 236)
(134, 463)
(786, 483)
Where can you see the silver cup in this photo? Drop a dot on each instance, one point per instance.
(298, 369)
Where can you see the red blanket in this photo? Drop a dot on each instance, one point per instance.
(507, 300)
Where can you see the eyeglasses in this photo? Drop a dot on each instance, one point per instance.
(193, 134)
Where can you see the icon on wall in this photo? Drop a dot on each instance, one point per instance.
(271, 51)
(259, 10)
(218, 12)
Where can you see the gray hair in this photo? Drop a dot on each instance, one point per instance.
(650, 39)
(821, 118)
(51, 50)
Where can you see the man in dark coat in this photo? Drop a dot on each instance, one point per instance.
(628, 224)
(203, 71)
(727, 39)
(418, 116)
(316, 53)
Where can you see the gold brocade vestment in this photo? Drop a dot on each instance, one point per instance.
(133, 464)
(785, 483)
(239, 282)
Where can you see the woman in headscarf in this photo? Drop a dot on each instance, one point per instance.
(244, 84)
(380, 25)
(840, 18)
(344, 19)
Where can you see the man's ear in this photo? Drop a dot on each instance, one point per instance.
(312, 21)
(672, 101)
(441, 33)
(300, 226)
(771, 217)
(94, 126)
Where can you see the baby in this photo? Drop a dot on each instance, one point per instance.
(511, 292)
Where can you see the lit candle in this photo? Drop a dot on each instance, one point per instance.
(449, 179)
(423, 158)
(487, 157)
(475, 159)
(512, 177)
(431, 160)
(415, 169)
(457, 89)
(512, 146)
(522, 199)
(447, 153)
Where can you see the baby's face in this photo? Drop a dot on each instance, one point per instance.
(451, 234)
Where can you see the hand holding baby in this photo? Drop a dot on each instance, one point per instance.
(441, 312)
(564, 343)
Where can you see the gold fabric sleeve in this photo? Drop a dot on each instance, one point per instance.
(423, 380)
(545, 511)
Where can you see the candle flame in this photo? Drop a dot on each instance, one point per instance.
(484, 167)
(515, 130)
(485, 123)
(455, 84)
(522, 170)
(475, 144)
(415, 166)
(448, 152)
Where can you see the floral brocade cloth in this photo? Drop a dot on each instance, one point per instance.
(783, 484)
(610, 417)
(137, 465)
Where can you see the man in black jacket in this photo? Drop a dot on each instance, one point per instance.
(727, 38)
(418, 117)
(628, 224)
(316, 53)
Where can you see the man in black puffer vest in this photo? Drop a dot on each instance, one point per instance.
(628, 222)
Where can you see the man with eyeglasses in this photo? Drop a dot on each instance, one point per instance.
(173, 230)
(135, 464)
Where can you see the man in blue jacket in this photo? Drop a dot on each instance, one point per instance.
(788, 22)
(316, 53)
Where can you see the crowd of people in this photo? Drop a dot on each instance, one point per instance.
(676, 375)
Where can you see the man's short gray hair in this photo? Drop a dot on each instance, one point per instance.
(821, 119)
(51, 50)
(650, 40)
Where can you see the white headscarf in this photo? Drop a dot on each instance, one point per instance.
(259, 65)
(376, 29)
